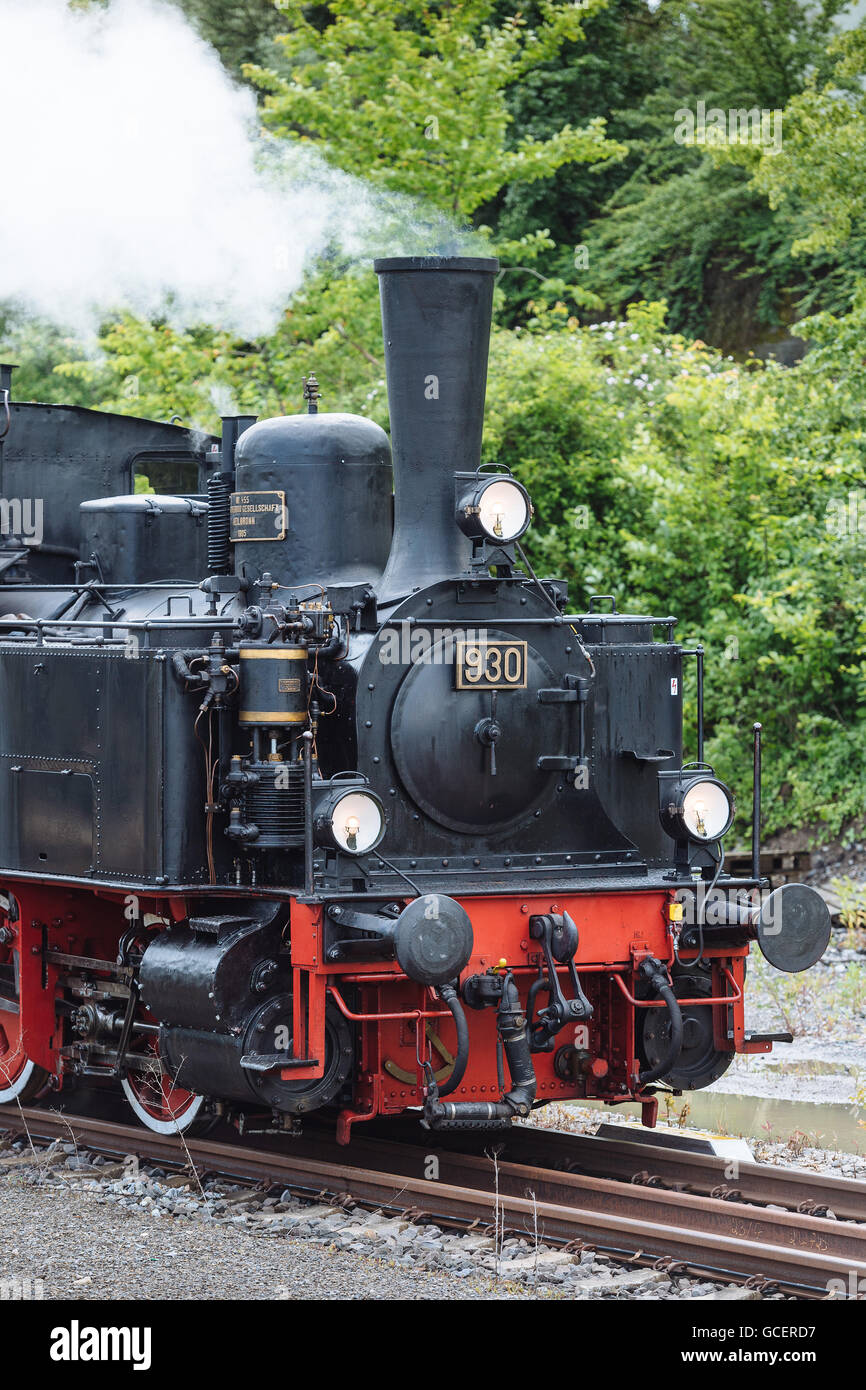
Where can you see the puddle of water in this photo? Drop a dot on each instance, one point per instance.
(770, 1119)
(811, 1067)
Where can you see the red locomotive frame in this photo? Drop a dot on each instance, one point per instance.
(618, 930)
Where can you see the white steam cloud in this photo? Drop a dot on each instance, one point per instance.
(134, 174)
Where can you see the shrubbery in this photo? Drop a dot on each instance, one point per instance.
(733, 495)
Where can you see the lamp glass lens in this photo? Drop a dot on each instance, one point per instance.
(356, 822)
(706, 810)
(503, 511)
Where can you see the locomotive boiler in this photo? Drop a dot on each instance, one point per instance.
(308, 806)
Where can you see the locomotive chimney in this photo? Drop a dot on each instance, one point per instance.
(436, 317)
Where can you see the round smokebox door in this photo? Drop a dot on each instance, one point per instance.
(467, 732)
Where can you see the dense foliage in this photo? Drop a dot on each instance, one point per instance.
(667, 465)
(736, 498)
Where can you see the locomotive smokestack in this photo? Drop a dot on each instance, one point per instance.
(436, 317)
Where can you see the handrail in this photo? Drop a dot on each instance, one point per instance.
(381, 1017)
(660, 1003)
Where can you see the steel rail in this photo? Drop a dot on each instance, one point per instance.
(795, 1251)
(653, 1164)
(642, 1157)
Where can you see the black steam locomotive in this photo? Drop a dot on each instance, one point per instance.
(308, 805)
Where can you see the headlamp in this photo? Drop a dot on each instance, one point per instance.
(350, 821)
(697, 808)
(495, 509)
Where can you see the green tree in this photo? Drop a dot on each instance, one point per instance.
(612, 72)
(667, 221)
(38, 348)
(733, 496)
(413, 98)
(822, 163)
(241, 31)
(413, 95)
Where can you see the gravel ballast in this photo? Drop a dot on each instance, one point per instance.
(90, 1229)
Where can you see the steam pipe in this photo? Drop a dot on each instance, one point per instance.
(6, 369)
(699, 653)
(333, 648)
(756, 802)
(309, 879)
(180, 662)
(233, 427)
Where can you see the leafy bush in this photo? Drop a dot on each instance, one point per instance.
(732, 495)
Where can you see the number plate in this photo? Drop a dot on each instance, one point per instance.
(491, 665)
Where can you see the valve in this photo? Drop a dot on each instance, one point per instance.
(488, 731)
(558, 936)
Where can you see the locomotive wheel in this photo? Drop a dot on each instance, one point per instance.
(20, 1078)
(163, 1106)
(699, 1063)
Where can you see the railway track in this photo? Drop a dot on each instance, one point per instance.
(652, 1165)
(771, 1226)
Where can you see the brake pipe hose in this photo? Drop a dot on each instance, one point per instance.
(660, 982)
(449, 996)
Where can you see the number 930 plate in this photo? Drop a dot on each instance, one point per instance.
(490, 665)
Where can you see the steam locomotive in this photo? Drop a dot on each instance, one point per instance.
(308, 805)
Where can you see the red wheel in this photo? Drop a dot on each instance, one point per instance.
(20, 1079)
(159, 1103)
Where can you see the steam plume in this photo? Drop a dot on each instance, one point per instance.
(134, 174)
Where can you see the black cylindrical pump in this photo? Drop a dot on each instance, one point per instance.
(436, 315)
(220, 486)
